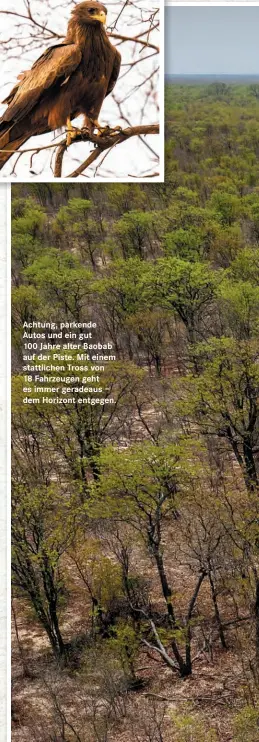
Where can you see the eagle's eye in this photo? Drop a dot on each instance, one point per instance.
(91, 11)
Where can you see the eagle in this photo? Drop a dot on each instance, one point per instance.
(68, 79)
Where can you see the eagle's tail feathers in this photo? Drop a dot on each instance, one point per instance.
(9, 145)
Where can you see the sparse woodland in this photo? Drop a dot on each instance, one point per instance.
(135, 530)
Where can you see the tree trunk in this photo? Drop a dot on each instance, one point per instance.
(188, 658)
(61, 650)
(257, 622)
(26, 670)
(217, 613)
(167, 593)
(250, 467)
(166, 590)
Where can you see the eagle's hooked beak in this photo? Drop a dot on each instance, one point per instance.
(101, 17)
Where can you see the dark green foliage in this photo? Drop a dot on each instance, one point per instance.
(162, 487)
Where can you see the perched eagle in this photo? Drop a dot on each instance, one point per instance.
(69, 79)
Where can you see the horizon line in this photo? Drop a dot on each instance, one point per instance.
(213, 74)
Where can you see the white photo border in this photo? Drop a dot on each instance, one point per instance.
(160, 138)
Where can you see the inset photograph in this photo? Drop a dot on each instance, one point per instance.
(81, 90)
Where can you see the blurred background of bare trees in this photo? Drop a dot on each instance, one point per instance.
(28, 27)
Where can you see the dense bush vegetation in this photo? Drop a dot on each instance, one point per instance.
(135, 531)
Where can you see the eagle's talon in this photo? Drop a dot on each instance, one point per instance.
(117, 130)
(72, 134)
(107, 131)
(104, 131)
(85, 132)
(99, 130)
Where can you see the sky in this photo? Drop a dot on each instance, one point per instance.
(212, 40)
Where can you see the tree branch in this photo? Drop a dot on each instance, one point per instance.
(59, 159)
(106, 142)
(135, 40)
(103, 142)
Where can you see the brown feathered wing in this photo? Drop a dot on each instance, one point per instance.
(16, 124)
(115, 72)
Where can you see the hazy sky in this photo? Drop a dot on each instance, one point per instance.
(212, 40)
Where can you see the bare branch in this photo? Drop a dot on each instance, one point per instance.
(113, 140)
(135, 39)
